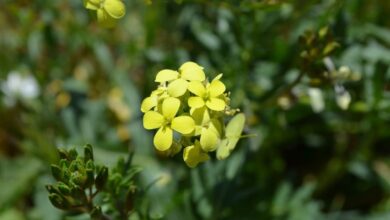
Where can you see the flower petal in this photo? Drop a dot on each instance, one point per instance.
(166, 75)
(208, 139)
(177, 87)
(183, 124)
(105, 19)
(152, 120)
(115, 8)
(163, 138)
(216, 88)
(195, 102)
(216, 104)
(193, 155)
(148, 103)
(192, 72)
(197, 88)
(170, 107)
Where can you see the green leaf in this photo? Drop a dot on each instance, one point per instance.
(17, 178)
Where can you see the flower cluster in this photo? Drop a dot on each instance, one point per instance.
(188, 111)
(108, 11)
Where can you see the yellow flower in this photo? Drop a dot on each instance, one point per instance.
(209, 95)
(167, 122)
(178, 82)
(155, 98)
(208, 128)
(193, 155)
(108, 11)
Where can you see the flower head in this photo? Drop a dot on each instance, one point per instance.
(187, 103)
(108, 11)
(210, 95)
(178, 82)
(166, 122)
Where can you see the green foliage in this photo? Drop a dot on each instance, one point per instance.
(79, 181)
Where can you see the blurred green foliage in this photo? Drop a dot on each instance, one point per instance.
(330, 164)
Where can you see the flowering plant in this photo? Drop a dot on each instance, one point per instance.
(189, 111)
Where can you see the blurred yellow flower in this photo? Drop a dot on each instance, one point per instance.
(209, 95)
(108, 11)
(166, 122)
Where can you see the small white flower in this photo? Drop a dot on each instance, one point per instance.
(316, 100)
(343, 98)
(19, 86)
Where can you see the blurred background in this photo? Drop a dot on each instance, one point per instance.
(312, 77)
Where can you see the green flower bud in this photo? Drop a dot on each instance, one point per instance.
(90, 178)
(64, 164)
(78, 178)
(90, 165)
(63, 154)
(78, 194)
(52, 189)
(59, 201)
(63, 188)
(101, 178)
(56, 172)
(88, 153)
(72, 154)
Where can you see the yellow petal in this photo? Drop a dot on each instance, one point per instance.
(216, 88)
(192, 72)
(177, 87)
(232, 132)
(216, 104)
(105, 19)
(208, 139)
(197, 88)
(152, 120)
(183, 124)
(193, 155)
(148, 103)
(170, 107)
(115, 8)
(166, 75)
(223, 150)
(218, 77)
(195, 102)
(163, 139)
(92, 4)
(235, 126)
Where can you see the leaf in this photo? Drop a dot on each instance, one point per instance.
(16, 178)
